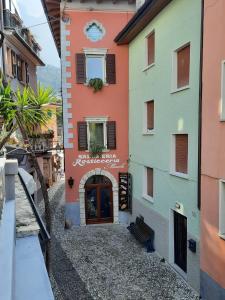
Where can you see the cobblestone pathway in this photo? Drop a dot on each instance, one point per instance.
(105, 262)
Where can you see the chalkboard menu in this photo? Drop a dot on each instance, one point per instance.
(125, 191)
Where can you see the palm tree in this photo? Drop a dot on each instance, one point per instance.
(25, 110)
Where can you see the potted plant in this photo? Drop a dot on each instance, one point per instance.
(96, 84)
(96, 150)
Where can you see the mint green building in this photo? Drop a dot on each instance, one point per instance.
(164, 68)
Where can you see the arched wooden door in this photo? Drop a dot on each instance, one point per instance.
(98, 200)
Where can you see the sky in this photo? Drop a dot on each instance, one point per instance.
(32, 13)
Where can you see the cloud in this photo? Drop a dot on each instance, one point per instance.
(32, 8)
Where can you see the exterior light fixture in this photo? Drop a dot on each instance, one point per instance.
(71, 182)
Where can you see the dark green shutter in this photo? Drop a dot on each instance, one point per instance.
(111, 135)
(82, 136)
(81, 67)
(110, 68)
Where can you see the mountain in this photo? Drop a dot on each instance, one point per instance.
(50, 76)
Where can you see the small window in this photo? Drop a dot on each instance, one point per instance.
(150, 115)
(183, 66)
(19, 69)
(94, 31)
(151, 48)
(222, 209)
(181, 153)
(149, 182)
(95, 67)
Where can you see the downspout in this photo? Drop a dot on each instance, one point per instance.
(2, 7)
(200, 106)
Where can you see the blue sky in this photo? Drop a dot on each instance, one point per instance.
(32, 13)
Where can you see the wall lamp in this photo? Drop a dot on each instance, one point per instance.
(71, 182)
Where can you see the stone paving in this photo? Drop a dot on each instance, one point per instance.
(105, 262)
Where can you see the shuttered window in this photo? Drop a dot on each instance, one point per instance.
(81, 67)
(82, 136)
(110, 68)
(181, 153)
(150, 115)
(183, 66)
(151, 48)
(149, 181)
(111, 135)
(96, 133)
(14, 64)
(95, 66)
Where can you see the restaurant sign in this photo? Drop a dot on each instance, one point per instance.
(111, 160)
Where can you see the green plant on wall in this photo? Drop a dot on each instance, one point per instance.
(96, 150)
(96, 84)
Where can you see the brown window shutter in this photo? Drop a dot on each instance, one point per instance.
(150, 182)
(110, 68)
(150, 115)
(82, 136)
(111, 135)
(151, 48)
(183, 66)
(182, 153)
(81, 67)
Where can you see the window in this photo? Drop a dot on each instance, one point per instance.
(95, 67)
(94, 31)
(222, 209)
(150, 115)
(14, 64)
(183, 66)
(27, 73)
(19, 69)
(181, 153)
(96, 132)
(148, 184)
(151, 48)
(9, 64)
(95, 64)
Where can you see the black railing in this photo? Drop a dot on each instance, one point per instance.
(44, 235)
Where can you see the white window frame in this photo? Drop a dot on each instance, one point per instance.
(173, 157)
(222, 209)
(96, 52)
(146, 131)
(222, 100)
(174, 87)
(147, 66)
(97, 120)
(145, 195)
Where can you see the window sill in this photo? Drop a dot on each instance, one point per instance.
(180, 89)
(222, 235)
(222, 119)
(180, 175)
(148, 67)
(104, 84)
(103, 151)
(148, 198)
(149, 132)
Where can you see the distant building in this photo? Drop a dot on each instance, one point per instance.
(164, 64)
(21, 57)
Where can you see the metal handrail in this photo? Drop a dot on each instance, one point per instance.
(43, 231)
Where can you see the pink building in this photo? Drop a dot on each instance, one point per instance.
(213, 154)
(95, 123)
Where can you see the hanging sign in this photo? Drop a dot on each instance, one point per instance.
(125, 191)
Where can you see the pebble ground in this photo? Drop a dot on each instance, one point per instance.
(105, 262)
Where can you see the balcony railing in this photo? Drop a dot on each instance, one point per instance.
(42, 141)
(13, 22)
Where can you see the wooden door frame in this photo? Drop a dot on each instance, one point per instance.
(98, 187)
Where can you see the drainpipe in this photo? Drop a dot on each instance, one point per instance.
(200, 107)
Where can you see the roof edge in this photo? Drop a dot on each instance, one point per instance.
(146, 13)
